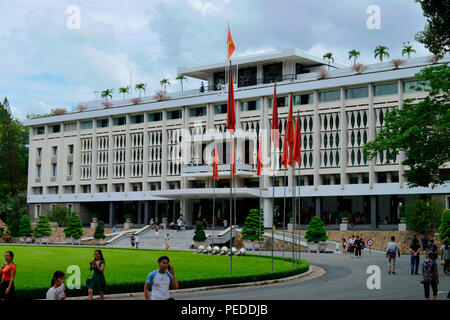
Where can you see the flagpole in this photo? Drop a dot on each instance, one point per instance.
(214, 207)
(260, 209)
(284, 209)
(273, 203)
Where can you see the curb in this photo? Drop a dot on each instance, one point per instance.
(199, 289)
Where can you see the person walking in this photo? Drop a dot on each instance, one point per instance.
(57, 289)
(414, 251)
(161, 281)
(97, 282)
(166, 242)
(152, 223)
(113, 229)
(351, 243)
(225, 223)
(132, 239)
(8, 272)
(445, 255)
(363, 245)
(391, 251)
(136, 239)
(432, 248)
(358, 247)
(179, 224)
(156, 232)
(344, 245)
(424, 241)
(430, 276)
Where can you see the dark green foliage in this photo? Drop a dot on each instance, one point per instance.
(344, 214)
(420, 129)
(199, 233)
(254, 226)
(74, 227)
(42, 228)
(423, 216)
(100, 231)
(445, 225)
(128, 216)
(59, 214)
(315, 231)
(14, 207)
(25, 226)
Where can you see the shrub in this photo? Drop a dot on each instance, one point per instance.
(423, 216)
(107, 104)
(42, 228)
(315, 231)
(25, 226)
(397, 62)
(136, 100)
(445, 225)
(254, 226)
(100, 231)
(81, 108)
(59, 215)
(322, 74)
(59, 111)
(344, 214)
(359, 67)
(199, 233)
(435, 58)
(161, 95)
(74, 227)
(128, 216)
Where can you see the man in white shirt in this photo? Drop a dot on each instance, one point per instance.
(136, 239)
(161, 281)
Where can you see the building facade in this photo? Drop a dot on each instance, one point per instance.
(150, 158)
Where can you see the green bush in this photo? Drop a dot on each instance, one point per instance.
(445, 225)
(423, 216)
(59, 215)
(199, 233)
(74, 227)
(100, 231)
(315, 231)
(25, 226)
(254, 226)
(128, 216)
(42, 228)
(344, 214)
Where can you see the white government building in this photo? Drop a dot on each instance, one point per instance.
(128, 158)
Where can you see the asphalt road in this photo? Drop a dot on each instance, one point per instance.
(345, 279)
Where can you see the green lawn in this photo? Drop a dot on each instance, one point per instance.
(36, 264)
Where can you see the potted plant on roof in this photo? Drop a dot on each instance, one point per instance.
(25, 230)
(199, 235)
(344, 215)
(42, 230)
(253, 229)
(99, 234)
(128, 221)
(316, 235)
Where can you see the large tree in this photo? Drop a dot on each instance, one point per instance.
(421, 129)
(436, 34)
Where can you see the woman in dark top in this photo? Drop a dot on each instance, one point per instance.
(98, 282)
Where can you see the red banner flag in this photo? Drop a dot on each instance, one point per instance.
(284, 154)
(290, 131)
(260, 164)
(275, 121)
(215, 166)
(297, 141)
(230, 44)
(231, 118)
(233, 159)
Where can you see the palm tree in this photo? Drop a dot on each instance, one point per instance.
(164, 83)
(124, 90)
(381, 51)
(353, 54)
(107, 94)
(407, 49)
(140, 87)
(328, 56)
(181, 78)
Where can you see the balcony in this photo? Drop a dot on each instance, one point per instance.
(242, 170)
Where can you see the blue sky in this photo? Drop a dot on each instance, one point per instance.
(45, 65)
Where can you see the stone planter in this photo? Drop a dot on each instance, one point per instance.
(345, 220)
(94, 220)
(44, 240)
(94, 225)
(290, 227)
(317, 246)
(343, 226)
(198, 243)
(69, 240)
(28, 239)
(248, 245)
(100, 242)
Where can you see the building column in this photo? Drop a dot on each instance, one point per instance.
(372, 134)
(318, 206)
(145, 184)
(127, 154)
(401, 169)
(146, 219)
(139, 212)
(373, 212)
(343, 141)
(268, 212)
(316, 140)
(164, 151)
(111, 213)
(110, 156)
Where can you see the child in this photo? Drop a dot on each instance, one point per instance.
(167, 242)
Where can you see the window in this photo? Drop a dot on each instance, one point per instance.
(281, 102)
(37, 211)
(121, 121)
(53, 190)
(39, 130)
(54, 170)
(119, 187)
(69, 207)
(328, 96)
(70, 169)
(197, 112)
(365, 177)
(382, 177)
(353, 178)
(303, 99)
(220, 108)
(385, 89)
(139, 118)
(39, 152)
(37, 190)
(326, 179)
(86, 188)
(86, 125)
(55, 151)
(38, 171)
(175, 114)
(70, 126)
(136, 187)
(394, 176)
(355, 93)
(250, 105)
(55, 129)
(70, 148)
(69, 189)
(102, 188)
(407, 86)
(102, 123)
(157, 116)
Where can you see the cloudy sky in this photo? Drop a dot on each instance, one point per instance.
(44, 64)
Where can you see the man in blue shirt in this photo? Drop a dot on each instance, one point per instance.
(161, 281)
(424, 241)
